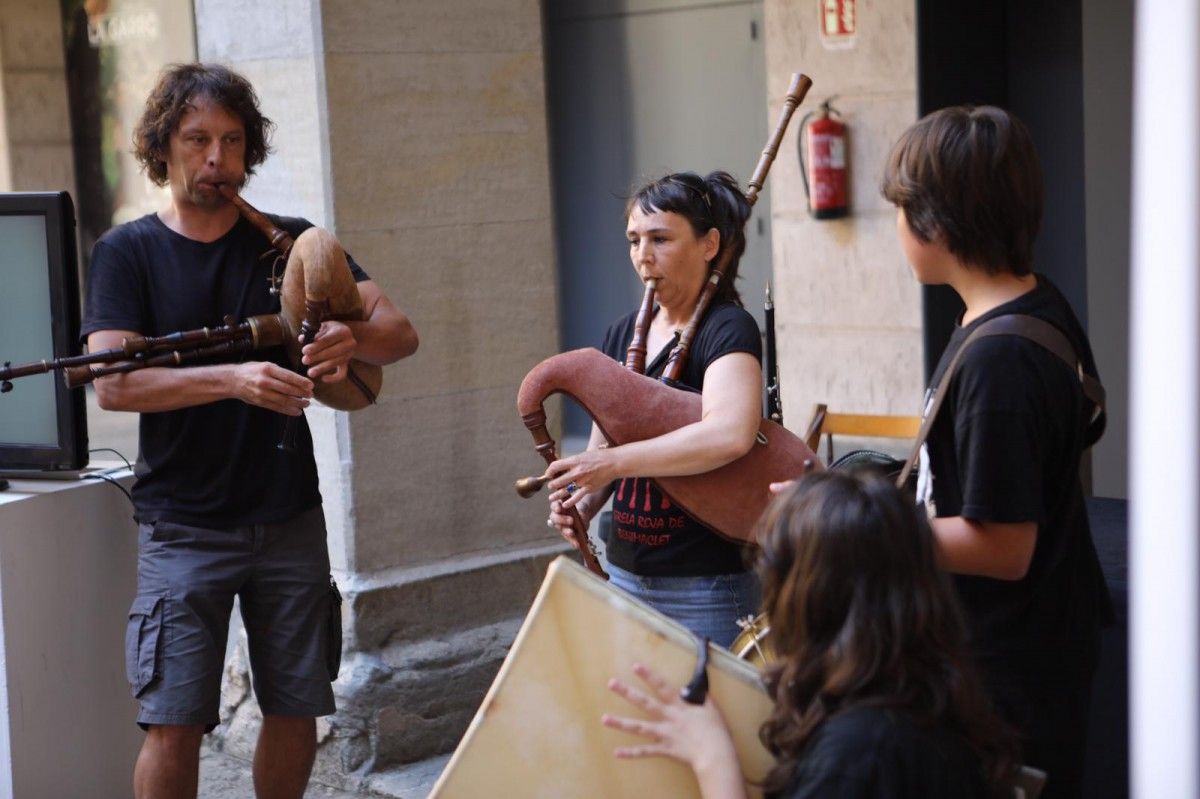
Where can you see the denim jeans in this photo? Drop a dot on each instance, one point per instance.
(709, 606)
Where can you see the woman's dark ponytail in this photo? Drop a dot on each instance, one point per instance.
(730, 211)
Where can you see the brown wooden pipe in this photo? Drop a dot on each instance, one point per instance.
(76, 376)
(681, 350)
(257, 332)
(140, 352)
(535, 422)
(635, 356)
(279, 238)
(528, 486)
(796, 92)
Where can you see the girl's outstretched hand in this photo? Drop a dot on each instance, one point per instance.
(693, 734)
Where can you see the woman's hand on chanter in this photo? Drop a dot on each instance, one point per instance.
(693, 734)
(560, 518)
(589, 472)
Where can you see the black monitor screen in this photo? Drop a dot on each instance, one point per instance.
(42, 423)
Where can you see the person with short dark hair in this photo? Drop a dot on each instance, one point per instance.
(874, 692)
(1002, 480)
(221, 512)
(969, 178)
(677, 227)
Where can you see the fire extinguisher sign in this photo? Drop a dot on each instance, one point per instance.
(839, 23)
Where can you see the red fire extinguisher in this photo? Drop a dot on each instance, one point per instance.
(822, 146)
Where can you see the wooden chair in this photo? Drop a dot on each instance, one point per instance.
(864, 425)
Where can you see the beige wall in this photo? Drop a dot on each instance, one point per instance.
(35, 127)
(847, 307)
(439, 164)
(417, 132)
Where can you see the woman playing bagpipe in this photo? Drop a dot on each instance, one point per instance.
(677, 227)
(873, 694)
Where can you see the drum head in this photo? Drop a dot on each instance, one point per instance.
(538, 732)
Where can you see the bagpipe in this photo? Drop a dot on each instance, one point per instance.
(628, 406)
(317, 286)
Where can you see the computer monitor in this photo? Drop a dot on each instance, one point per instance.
(43, 424)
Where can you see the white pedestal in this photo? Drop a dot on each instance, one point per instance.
(68, 572)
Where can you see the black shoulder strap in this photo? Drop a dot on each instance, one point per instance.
(1036, 330)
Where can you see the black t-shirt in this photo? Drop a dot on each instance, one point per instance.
(650, 535)
(882, 753)
(1006, 448)
(212, 465)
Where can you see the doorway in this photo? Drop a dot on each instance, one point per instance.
(637, 89)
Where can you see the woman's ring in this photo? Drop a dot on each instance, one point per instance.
(549, 522)
(572, 488)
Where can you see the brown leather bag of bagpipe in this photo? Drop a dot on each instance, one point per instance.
(629, 406)
(317, 286)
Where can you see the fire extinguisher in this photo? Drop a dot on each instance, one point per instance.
(823, 167)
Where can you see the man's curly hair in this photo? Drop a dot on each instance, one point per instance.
(179, 86)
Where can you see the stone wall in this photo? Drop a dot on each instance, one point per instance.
(847, 307)
(35, 124)
(440, 180)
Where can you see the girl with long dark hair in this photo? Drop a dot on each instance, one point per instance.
(873, 694)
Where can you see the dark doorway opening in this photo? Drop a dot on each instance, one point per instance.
(1027, 57)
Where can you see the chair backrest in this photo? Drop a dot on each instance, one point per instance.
(864, 425)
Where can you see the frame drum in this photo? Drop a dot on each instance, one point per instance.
(538, 732)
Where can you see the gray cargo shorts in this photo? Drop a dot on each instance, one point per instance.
(179, 621)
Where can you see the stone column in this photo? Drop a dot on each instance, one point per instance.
(417, 132)
(847, 307)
